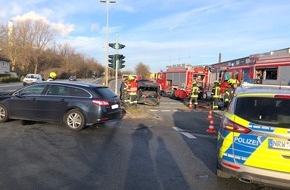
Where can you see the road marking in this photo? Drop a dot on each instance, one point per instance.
(160, 110)
(188, 135)
(195, 136)
(177, 129)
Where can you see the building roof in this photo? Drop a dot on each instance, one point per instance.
(3, 58)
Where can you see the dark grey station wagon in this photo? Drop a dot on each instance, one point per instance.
(75, 104)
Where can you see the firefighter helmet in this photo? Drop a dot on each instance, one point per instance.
(130, 77)
(217, 82)
(52, 75)
(233, 81)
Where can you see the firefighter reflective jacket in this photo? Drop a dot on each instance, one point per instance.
(229, 94)
(194, 92)
(215, 92)
(132, 90)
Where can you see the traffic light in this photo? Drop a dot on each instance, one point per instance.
(112, 45)
(121, 61)
(117, 61)
(120, 46)
(112, 60)
(116, 45)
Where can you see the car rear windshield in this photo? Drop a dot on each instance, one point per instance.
(105, 93)
(265, 111)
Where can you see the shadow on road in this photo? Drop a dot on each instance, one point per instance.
(196, 123)
(152, 169)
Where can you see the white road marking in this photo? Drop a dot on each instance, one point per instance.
(175, 110)
(177, 129)
(188, 135)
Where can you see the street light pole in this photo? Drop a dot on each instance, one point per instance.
(107, 40)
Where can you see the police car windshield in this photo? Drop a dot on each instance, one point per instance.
(265, 111)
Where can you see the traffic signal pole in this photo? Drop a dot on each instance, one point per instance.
(116, 60)
(117, 66)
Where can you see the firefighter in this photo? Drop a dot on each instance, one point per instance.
(52, 76)
(132, 89)
(230, 91)
(215, 94)
(123, 89)
(194, 95)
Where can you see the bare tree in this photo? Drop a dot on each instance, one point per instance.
(27, 45)
(29, 38)
(67, 52)
(41, 35)
(9, 48)
(143, 70)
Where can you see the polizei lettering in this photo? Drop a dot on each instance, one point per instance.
(252, 142)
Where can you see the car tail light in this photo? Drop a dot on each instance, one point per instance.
(234, 127)
(235, 167)
(104, 119)
(101, 102)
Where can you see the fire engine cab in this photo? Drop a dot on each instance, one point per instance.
(176, 81)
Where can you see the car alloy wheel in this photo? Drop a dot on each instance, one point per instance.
(75, 120)
(3, 114)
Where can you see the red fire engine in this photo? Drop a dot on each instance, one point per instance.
(177, 80)
(269, 68)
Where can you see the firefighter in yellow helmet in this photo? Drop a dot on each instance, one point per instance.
(215, 94)
(132, 90)
(194, 95)
(52, 76)
(131, 77)
(230, 91)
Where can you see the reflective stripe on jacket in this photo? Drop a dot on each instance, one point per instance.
(194, 92)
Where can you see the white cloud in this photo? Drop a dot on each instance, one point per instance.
(30, 16)
(61, 28)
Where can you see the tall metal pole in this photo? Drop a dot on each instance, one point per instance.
(117, 64)
(107, 41)
(107, 45)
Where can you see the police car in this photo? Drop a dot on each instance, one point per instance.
(254, 137)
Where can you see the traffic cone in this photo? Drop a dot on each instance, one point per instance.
(190, 105)
(211, 127)
(209, 116)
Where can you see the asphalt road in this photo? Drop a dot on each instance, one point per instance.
(163, 147)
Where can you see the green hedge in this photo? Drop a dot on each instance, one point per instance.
(8, 79)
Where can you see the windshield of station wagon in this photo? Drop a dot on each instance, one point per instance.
(264, 111)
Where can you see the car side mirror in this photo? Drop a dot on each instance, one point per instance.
(17, 94)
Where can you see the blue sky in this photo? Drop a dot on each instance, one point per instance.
(164, 32)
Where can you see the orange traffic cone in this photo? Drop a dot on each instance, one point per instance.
(211, 127)
(190, 105)
(209, 116)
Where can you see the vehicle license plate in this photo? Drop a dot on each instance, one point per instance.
(115, 106)
(279, 144)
